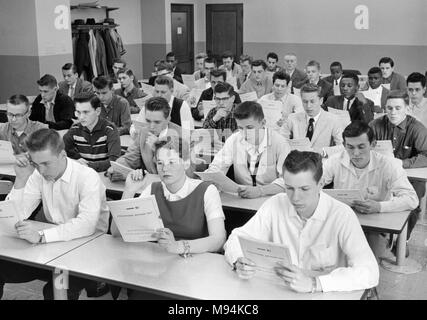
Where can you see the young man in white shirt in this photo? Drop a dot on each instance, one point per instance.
(382, 180)
(335, 77)
(291, 103)
(73, 198)
(416, 83)
(328, 249)
(376, 92)
(255, 152)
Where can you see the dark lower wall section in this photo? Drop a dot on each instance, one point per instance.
(362, 57)
(19, 75)
(133, 58)
(150, 53)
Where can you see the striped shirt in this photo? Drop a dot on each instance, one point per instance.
(98, 147)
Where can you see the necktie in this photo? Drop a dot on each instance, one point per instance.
(336, 82)
(246, 76)
(348, 105)
(310, 129)
(71, 92)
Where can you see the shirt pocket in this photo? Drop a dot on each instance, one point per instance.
(323, 257)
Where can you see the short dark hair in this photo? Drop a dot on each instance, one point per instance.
(70, 66)
(173, 142)
(301, 161)
(227, 54)
(258, 63)
(210, 60)
(47, 80)
(416, 77)
(245, 57)
(44, 139)
(201, 55)
(164, 66)
(356, 129)
(398, 94)
(221, 87)
(273, 55)
(102, 82)
(387, 60)
(351, 75)
(170, 55)
(158, 104)
(313, 63)
(310, 87)
(219, 73)
(281, 75)
(374, 70)
(249, 109)
(126, 71)
(118, 60)
(88, 97)
(163, 80)
(18, 99)
(336, 64)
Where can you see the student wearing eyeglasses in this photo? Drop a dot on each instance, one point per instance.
(18, 127)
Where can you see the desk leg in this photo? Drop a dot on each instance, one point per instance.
(402, 264)
(60, 284)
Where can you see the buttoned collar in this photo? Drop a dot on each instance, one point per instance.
(180, 194)
(66, 176)
(319, 213)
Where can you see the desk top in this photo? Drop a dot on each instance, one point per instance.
(7, 170)
(417, 173)
(145, 266)
(18, 250)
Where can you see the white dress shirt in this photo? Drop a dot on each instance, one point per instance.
(212, 200)
(419, 111)
(76, 202)
(330, 245)
(383, 180)
(291, 103)
(336, 84)
(316, 118)
(346, 102)
(374, 95)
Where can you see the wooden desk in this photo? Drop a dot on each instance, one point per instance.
(149, 268)
(7, 170)
(417, 174)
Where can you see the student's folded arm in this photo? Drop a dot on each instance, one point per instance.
(132, 158)
(70, 146)
(277, 186)
(213, 242)
(362, 271)
(89, 211)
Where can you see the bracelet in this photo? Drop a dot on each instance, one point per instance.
(186, 253)
(313, 285)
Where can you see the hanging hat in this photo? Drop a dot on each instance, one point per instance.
(90, 21)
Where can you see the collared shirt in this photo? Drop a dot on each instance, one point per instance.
(76, 202)
(118, 112)
(374, 95)
(260, 87)
(336, 84)
(135, 93)
(7, 133)
(234, 152)
(187, 121)
(382, 180)
(345, 103)
(229, 122)
(72, 90)
(291, 103)
(254, 152)
(316, 118)
(409, 139)
(211, 198)
(330, 245)
(419, 111)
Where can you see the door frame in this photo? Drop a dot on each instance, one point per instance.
(178, 7)
(238, 7)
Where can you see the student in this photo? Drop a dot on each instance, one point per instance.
(209, 66)
(94, 141)
(328, 249)
(392, 79)
(246, 65)
(128, 90)
(180, 91)
(172, 62)
(259, 82)
(409, 139)
(232, 68)
(381, 179)
(298, 77)
(118, 64)
(313, 76)
(255, 152)
(320, 127)
(114, 108)
(200, 66)
(272, 67)
(416, 88)
(291, 103)
(72, 84)
(73, 198)
(52, 107)
(216, 76)
(191, 209)
(18, 127)
(154, 73)
(222, 116)
(140, 155)
(351, 100)
(376, 92)
(335, 77)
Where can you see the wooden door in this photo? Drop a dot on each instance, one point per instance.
(224, 29)
(183, 36)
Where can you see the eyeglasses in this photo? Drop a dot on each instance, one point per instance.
(16, 115)
(221, 99)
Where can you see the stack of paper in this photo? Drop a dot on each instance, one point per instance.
(222, 182)
(342, 115)
(137, 219)
(147, 88)
(345, 195)
(272, 112)
(6, 153)
(119, 168)
(9, 217)
(250, 96)
(189, 80)
(302, 144)
(384, 147)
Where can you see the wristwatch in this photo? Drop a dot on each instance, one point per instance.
(42, 237)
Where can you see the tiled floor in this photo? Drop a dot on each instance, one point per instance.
(392, 286)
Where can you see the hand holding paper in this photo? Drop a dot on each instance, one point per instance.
(119, 168)
(219, 179)
(9, 217)
(348, 196)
